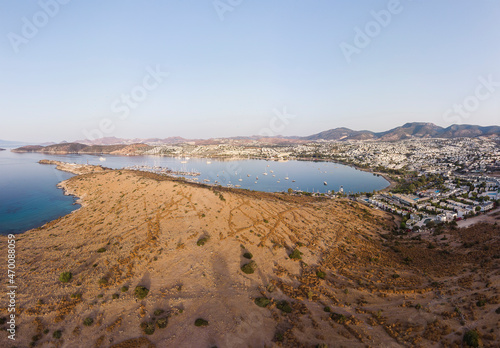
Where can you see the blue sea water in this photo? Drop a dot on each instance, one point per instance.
(29, 196)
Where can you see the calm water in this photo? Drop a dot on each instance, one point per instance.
(29, 196)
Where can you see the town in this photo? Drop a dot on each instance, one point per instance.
(432, 180)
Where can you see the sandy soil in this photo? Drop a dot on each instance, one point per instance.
(357, 282)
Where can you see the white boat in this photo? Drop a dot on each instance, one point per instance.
(286, 177)
(274, 175)
(102, 159)
(271, 171)
(248, 175)
(240, 179)
(208, 162)
(325, 183)
(278, 181)
(237, 185)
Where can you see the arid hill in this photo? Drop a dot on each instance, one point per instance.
(151, 261)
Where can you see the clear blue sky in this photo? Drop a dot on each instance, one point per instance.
(226, 77)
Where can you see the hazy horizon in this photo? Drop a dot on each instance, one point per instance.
(72, 70)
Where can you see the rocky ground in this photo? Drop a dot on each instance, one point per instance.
(151, 261)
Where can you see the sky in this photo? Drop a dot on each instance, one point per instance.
(218, 68)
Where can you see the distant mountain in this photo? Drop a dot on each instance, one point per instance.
(8, 143)
(407, 131)
(76, 148)
(341, 134)
(121, 141)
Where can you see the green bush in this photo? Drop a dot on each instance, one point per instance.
(248, 255)
(148, 327)
(202, 241)
(124, 288)
(321, 274)
(65, 277)
(284, 306)
(471, 338)
(115, 296)
(141, 292)
(162, 323)
(101, 250)
(339, 318)
(481, 303)
(158, 312)
(262, 301)
(103, 281)
(249, 268)
(200, 322)
(57, 334)
(296, 255)
(395, 276)
(327, 309)
(76, 295)
(88, 321)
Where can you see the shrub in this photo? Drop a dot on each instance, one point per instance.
(202, 241)
(101, 250)
(296, 255)
(77, 295)
(141, 292)
(278, 336)
(262, 301)
(266, 221)
(321, 274)
(284, 306)
(471, 338)
(497, 311)
(200, 322)
(124, 288)
(57, 334)
(339, 318)
(115, 296)
(65, 277)
(103, 281)
(158, 312)
(148, 327)
(481, 303)
(418, 306)
(247, 255)
(327, 309)
(395, 276)
(88, 321)
(162, 323)
(249, 268)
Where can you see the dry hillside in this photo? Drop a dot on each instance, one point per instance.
(233, 268)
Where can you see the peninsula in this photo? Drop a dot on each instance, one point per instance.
(154, 261)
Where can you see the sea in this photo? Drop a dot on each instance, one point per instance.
(29, 196)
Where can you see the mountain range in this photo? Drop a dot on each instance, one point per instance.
(406, 131)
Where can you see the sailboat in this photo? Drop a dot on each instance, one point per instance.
(325, 183)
